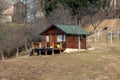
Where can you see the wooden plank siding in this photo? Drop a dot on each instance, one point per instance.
(53, 33)
(83, 42)
(71, 41)
(53, 30)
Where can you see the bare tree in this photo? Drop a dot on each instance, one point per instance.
(33, 29)
(3, 29)
(61, 15)
(5, 39)
(18, 38)
(97, 15)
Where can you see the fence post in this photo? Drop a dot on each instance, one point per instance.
(111, 36)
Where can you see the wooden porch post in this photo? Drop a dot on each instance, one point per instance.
(45, 44)
(53, 49)
(60, 47)
(33, 47)
(79, 44)
(46, 51)
(40, 45)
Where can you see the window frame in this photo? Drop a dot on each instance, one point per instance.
(47, 38)
(61, 38)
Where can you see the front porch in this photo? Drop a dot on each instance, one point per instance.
(54, 46)
(48, 48)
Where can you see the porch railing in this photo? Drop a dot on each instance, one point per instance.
(56, 45)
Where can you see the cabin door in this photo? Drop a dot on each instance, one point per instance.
(53, 40)
(83, 42)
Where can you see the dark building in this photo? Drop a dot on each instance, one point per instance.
(20, 12)
(16, 13)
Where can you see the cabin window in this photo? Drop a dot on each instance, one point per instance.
(47, 38)
(61, 38)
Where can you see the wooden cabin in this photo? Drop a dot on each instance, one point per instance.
(61, 37)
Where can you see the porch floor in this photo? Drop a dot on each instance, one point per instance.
(48, 50)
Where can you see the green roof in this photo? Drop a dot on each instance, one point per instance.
(71, 29)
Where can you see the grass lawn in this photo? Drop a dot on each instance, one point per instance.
(101, 64)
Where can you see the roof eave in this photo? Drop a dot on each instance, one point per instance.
(60, 29)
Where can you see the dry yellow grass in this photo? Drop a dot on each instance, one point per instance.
(100, 64)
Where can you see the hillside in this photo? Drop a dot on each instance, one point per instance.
(112, 23)
(101, 64)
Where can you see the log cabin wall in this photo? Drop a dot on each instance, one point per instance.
(53, 33)
(83, 42)
(53, 30)
(72, 41)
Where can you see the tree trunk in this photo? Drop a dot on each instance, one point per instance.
(101, 35)
(117, 36)
(26, 48)
(111, 38)
(98, 34)
(2, 55)
(95, 32)
(30, 51)
(79, 44)
(17, 52)
(44, 12)
(76, 20)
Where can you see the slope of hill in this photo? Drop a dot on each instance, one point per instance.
(100, 64)
(112, 23)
